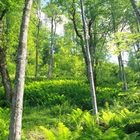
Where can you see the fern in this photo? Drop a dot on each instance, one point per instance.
(132, 136)
(63, 132)
(48, 133)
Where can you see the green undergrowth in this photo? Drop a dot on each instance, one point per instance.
(61, 110)
(4, 123)
(77, 93)
(48, 93)
(65, 122)
(56, 92)
(79, 125)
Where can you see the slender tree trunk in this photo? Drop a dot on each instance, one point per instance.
(51, 49)
(80, 37)
(92, 48)
(5, 75)
(90, 71)
(3, 66)
(122, 72)
(120, 69)
(37, 51)
(136, 10)
(36, 64)
(17, 100)
(121, 65)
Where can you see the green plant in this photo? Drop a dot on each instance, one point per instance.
(4, 122)
(56, 92)
(63, 133)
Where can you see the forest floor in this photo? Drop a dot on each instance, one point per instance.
(70, 118)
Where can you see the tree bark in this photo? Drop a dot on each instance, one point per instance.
(136, 10)
(36, 64)
(122, 72)
(90, 71)
(80, 36)
(5, 76)
(37, 51)
(120, 69)
(92, 48)
(3, 66)
(17, 100)
(53, 30)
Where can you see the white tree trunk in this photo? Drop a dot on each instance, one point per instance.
(89, 63)
(122, 72)
(17, 100)
(52, 44)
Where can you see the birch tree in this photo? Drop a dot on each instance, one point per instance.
(89, 62)
(53, 13)
(17, 100)
(37, 42)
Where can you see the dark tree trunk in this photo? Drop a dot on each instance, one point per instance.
(17, 100)
(37, 50)
(92, 48)
(5, 75)
(122, 75)
(120, 69)
(80, 37)
(3, 65)
(36, 64)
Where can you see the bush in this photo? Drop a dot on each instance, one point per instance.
(82, 126)
(56, 92)
(4, 123)
(106, 95)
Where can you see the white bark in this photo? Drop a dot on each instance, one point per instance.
(122, 72)
(52, 44)
(17, 100)
(89, 63)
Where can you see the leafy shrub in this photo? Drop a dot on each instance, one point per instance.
(81, 125)
(56, 92)
(4, 123)
(63, 133)
(130, 99)
(119, 118)
(106, 94)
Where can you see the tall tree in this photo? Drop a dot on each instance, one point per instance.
(38, 26)
(3, 49)
(17, 100)
(89, 63)
(53, 13)
(117, 22)
(53, 30)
